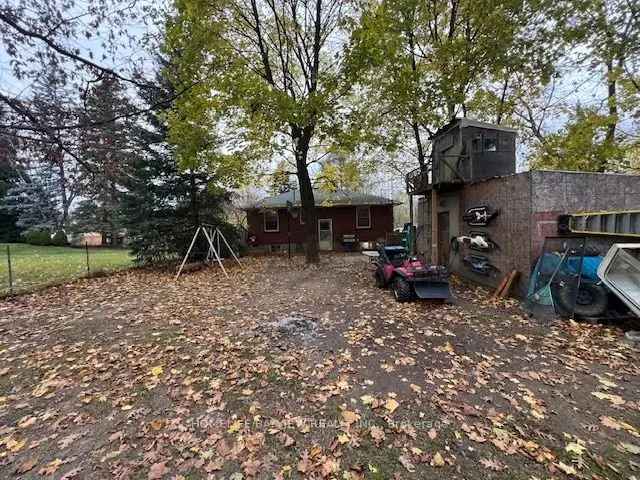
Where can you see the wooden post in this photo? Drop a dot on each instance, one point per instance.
(228, 246)
(215, 252)
(10, 271)
(435, 255)
(188, 252)
(410, 234)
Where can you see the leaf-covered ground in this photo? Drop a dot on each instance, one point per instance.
(283, 371)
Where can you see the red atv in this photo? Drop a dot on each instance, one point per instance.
(409, 277)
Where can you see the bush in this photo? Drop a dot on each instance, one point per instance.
(59, 239)
(37, 237)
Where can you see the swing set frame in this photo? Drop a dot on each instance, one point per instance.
(213, 235)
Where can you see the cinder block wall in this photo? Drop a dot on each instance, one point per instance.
(510, 230)
(555, 193)
(423, 227)
(530, 204)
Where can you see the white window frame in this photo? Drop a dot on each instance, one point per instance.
(264, 221)
(360, 227)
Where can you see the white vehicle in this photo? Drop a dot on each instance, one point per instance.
(620, 271)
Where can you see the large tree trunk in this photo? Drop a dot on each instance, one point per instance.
(301, 139)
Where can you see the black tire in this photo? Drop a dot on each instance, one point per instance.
(591, 299)
(380, 283)
(402, 289)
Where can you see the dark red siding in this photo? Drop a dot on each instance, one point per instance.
(343, 220)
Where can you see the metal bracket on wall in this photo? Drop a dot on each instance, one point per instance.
(490, 244)
(480, 216)
(479, 264)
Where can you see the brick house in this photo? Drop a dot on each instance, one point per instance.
(273, 222)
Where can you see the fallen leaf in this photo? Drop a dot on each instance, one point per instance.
(614, 399)
(51, 467)
(415, 388)
(157, 424)
(235, 426)
(492, 464)
(350, 417)
(406, 463)
(27, 422)
(377, 434)
(367, 399)
(437, 460)
(391, 405)
(214, 465)
(575, 448)
(26, 466)
(157, 471)
(329, 467)
(630, 448)
(568, 469)
(251, 467)
(15, 445)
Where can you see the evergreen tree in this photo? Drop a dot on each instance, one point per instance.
(34, 204)
(162, 205)
(9, 177)
(105, 150)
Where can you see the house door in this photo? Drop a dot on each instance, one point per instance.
(443, 238)
(325, 234)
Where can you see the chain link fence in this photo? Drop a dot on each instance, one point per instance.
(25, 268)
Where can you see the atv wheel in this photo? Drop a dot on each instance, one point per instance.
(590, 299)
(402, 290)
(380, 283)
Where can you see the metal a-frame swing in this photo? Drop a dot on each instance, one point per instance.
(213, 236)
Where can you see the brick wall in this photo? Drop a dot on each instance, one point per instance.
(343, 223)
(556, 193)
(530, 204)
(510, 230)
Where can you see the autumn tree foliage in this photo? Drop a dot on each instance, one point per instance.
(422, 63)
(602, 37)
(270, 76)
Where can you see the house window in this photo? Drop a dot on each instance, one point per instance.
(271, 221)
(363, 217)
(505, 141)
(446, 142)
(490, 144)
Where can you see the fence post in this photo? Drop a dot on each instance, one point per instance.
(10, 271)
(86, 249)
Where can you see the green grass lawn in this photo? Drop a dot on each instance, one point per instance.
(34, 266)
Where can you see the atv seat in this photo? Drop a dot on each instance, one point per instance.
(396, 255)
